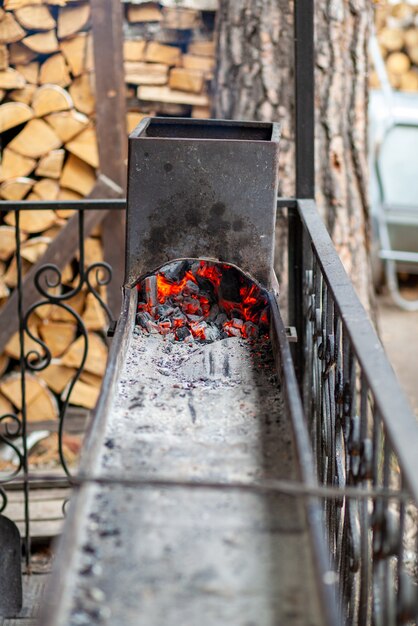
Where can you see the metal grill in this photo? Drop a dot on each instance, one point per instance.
(351, 421)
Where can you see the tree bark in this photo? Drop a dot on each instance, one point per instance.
(254, 81)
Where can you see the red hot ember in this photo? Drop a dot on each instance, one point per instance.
(200, 300)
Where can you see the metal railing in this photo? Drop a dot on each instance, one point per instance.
(49, 290)
(363, 434)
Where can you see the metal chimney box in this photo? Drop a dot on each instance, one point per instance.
(202, 189)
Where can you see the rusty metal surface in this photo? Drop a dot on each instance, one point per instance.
(202, 189)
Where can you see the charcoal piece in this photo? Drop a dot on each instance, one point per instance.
(178, 318)
(229, 286)
(232, 331)
(191, 306)
(164, 325)
(221, 319)
(152, 327)
(205, 301)
(199, 329)
(204, 295)
(194, 318)
(164, 310)
(151, 292)
(143, 318)
(237, 323)
(213, 313)
(264, 317)
(194, 267)
(212, 332)
(204, 309)
(190, 288)
(251, 331)
(175, 271)
(206, 287)
(182, 333)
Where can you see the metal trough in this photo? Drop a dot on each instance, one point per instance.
(173, 522)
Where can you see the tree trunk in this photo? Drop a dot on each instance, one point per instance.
(254, 81)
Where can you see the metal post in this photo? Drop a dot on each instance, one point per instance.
(304, 98)
(22, 367)
(304, 162)
(107, 27)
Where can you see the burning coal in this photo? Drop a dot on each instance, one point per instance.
(201, 300)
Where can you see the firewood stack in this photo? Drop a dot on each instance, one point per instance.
(397, 32)
(169, 58)
(48, 138)
(46, 117)
(49, 152)
(59, 330)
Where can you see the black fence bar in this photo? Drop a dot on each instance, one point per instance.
(306, 465)
(92, 205)
(23, 418)
(77, 205)
(304, 161)
(286, 203)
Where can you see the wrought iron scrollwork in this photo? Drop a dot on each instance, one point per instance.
(12, 428)
(49, 284)
(35, 361)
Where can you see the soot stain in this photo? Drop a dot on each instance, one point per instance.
(226, 369)
(181, 218)
(193, 218)
(192, 410)
(211, 364)
(218, 209)
(158, 236)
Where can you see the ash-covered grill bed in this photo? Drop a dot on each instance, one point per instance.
(181, 409)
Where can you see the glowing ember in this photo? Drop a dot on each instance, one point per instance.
(203, 301)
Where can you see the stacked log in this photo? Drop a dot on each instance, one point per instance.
(49, 152)
(47, 108)
(169, 58)
(59, 330)
(397, 32)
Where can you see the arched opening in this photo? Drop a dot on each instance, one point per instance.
(202, 300)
